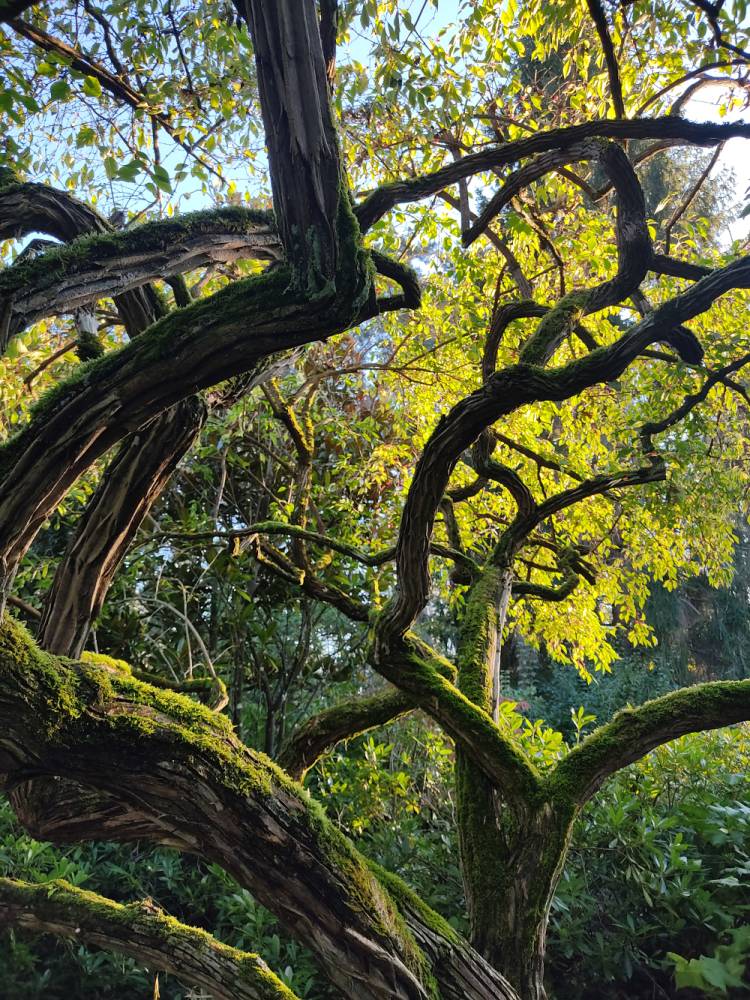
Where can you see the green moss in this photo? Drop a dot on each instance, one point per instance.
(76, 701)
(99, 248)
(632, 732)
(406, 898)
(553, 327)
(101, 659)
(236, 304)
(44, 681)
(478, 639)
(372, 894)
(78, 910)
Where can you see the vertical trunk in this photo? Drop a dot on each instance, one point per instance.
(510, 876)
(306, 175)
(511, 858)
(501, 614)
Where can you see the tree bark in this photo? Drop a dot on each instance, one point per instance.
(511, 851)
(130, 486)
(307, 179)
(116, 264)
(142, 931)
(160, 766)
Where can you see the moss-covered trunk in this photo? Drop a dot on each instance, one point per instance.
(510, 870)
(512, 844)
(89, 753)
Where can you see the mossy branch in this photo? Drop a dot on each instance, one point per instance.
(409, 665)
(634, 732)
(341, 722)
(105, 264)
(143, 932)
(183, 778)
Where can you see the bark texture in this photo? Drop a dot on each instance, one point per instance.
(112, 264)
(131, 484)
(174, 772)
(143, 932)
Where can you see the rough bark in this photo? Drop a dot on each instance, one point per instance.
(511, 850)
(134, 480)
(180, 776)
(325, 288)
(29, 208)
(306, 175)
(130, 485)
(190, 349)
(142, 931)
(110, 264)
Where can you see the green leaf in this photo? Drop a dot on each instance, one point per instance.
(92, 87)
(59, 91)
(161, 179)
(130, 171)
(110, 167)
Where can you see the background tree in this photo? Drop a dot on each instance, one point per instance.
(571, 464)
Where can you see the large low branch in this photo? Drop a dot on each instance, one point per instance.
(26, 208)
(141, 470)
(110, 263)
(183, 778)
(386, 197)
(633, 732)
(143, 932)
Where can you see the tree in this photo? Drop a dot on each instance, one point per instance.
(88, 748)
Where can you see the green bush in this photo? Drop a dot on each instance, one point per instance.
(660, 863)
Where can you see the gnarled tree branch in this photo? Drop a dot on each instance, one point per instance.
(633, 732)
(143, 932)
(186, 780)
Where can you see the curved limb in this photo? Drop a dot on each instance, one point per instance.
(130, 485)
(634, 732)
(109, 264)
(503, 393)
(185, 779)
(143, 932)
(26, 208)
(381, 201)
(343, 721)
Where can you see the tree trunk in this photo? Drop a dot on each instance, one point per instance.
(306, 174)
(510, 876)
(116, 759)
(511, 852)
(130, 485)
